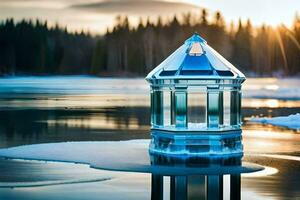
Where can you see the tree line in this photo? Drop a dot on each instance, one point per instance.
(30, 47)
(35, 48)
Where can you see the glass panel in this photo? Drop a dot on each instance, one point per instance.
(196, 72)
(152, 107)
(225, 73)
(214, 60)
(167, 108)
(173, 107)
(196, 63)
(196, 49)
(226, 103)
(234, 108)
(173, 62)
(220, 59)
(221, 108)
(168, 73)
(197, 109)
(239, 99)
(157, 104)
(214, 108)
(181, 108)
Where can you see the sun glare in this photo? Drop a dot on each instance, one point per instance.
(266, 13)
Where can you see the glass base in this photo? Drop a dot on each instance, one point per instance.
(196, 144)
(198, 127)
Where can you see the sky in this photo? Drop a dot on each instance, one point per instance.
(97, 15)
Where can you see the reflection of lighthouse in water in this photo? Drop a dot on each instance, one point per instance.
(206, 183)
(209, 187)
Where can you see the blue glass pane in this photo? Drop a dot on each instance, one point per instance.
(224, 73)
(196, 72)
(196, 63)
(168, 73)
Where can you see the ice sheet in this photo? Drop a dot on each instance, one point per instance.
(129, 156)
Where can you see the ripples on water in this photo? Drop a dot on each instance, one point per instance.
(59, 109)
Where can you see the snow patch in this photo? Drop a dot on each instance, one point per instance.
(291, 121)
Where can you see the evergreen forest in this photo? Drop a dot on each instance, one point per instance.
(34, 48)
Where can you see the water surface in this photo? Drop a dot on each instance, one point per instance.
(59, 109)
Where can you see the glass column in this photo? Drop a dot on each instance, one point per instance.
(221, 108)
(157, 107)
(180, 107)
(152, 107)
(239, 101)
(173, 120)
(214, 108)
(234, 105)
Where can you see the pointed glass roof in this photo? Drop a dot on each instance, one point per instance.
(195, 59)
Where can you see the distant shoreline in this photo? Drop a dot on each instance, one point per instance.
(119, 75)
(104, 75)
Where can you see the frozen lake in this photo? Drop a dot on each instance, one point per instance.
(37, 110)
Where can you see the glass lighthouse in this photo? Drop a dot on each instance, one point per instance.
(196, 103)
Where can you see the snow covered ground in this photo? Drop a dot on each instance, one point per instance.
(291, 121)
(75, 85)
(272, 88)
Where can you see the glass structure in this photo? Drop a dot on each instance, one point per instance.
(195, 102)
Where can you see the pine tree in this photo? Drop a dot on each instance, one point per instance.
(242, 55)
